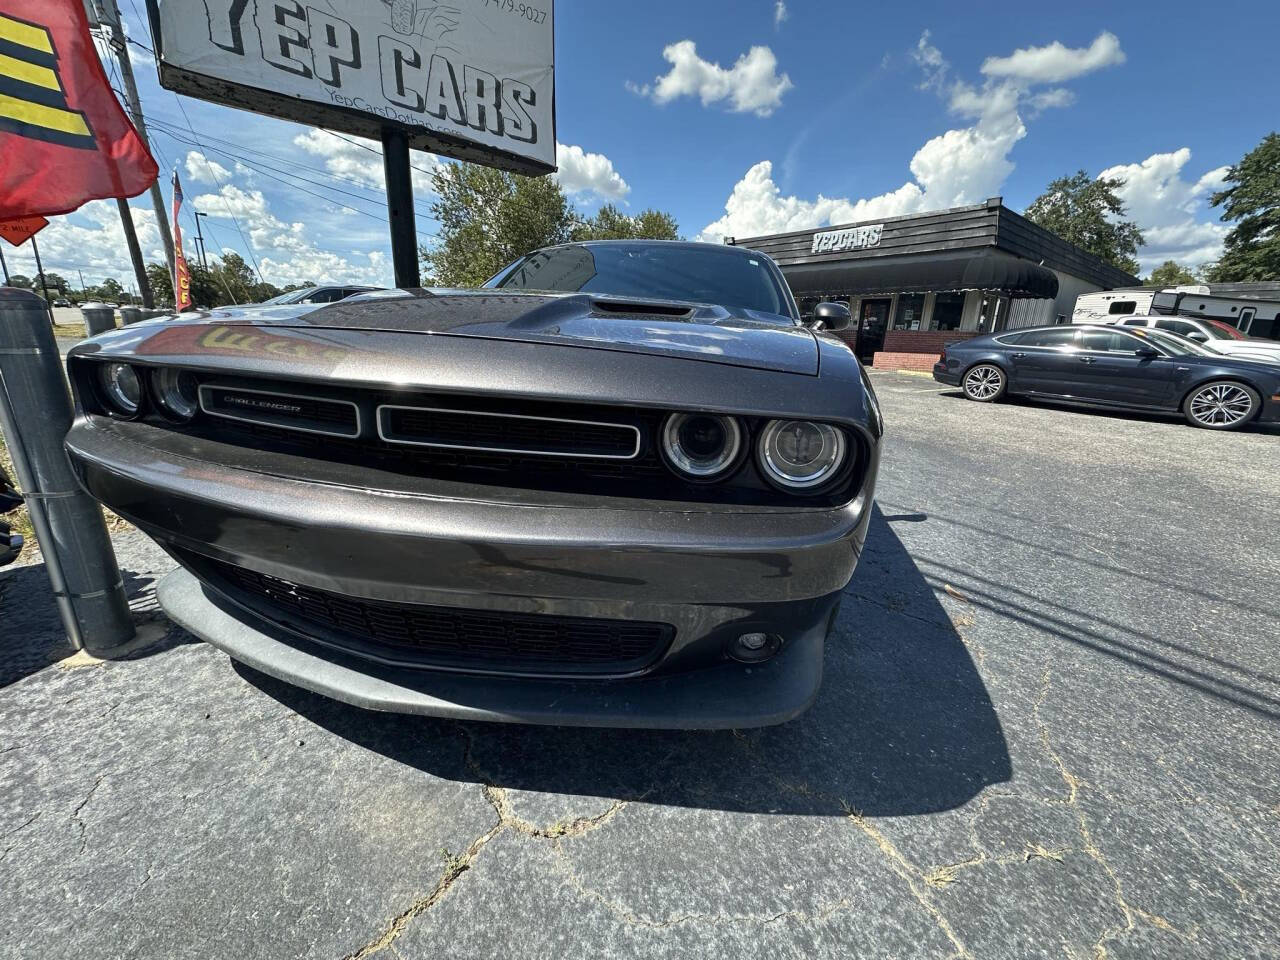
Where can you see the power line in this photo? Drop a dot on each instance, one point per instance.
(245, 240)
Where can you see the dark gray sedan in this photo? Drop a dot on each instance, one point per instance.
(1119, 367)
(622, 485)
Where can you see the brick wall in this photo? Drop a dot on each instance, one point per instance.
(905, 361)
(923, 341)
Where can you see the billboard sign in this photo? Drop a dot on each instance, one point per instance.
(473, 79)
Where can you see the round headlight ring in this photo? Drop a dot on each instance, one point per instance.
(176, 393)
(121, 389)
(800, 455)
(701, 446)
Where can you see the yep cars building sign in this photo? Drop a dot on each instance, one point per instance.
(853, 238)
(473, 79)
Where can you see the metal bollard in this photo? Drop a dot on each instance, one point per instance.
(98, 319)
(35, 415)
(130, 315)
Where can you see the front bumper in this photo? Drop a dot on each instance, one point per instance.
(711, 574)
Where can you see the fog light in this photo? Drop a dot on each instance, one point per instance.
(755, 647)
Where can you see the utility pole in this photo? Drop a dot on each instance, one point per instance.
(109, 17)
(135, 253)
(204, 261)
(81, 272)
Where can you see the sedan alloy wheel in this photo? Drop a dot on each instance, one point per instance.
(1221, 405)
(984, 383)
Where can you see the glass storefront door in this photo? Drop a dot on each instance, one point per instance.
(874, 320)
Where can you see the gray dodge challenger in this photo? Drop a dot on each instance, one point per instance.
(623, 484)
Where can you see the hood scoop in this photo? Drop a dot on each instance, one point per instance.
(633, 308)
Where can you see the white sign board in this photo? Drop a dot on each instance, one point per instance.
(468, 78)
(854, 238)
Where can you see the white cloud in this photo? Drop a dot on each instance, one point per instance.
(780, 14)
(961, 166)
(751, 85)
(1167, 209)
(90, 241)
(1056, 63)
(200, 170)
(931, 63)
(582, 172)
(360, 160)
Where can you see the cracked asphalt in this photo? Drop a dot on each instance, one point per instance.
(1048, 728)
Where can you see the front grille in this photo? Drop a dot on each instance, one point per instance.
(490, 432)
(445, 637)
(292, 411)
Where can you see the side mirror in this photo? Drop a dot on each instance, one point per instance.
(1147, 353)
(832, 316)
(1198, 337)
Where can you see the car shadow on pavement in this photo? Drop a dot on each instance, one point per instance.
(903, 725)
(1138, 416)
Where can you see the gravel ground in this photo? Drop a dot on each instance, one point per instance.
(1048, 728)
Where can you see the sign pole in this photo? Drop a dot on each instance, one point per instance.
(5, 267)
(48, 304)
(404, 230)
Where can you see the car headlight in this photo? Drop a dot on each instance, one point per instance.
(800, 455)
(176, 392)
(701, 446)
(122, 388)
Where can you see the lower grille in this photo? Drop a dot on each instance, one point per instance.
(445, 637)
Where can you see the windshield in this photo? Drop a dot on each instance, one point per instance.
(716, 275)
(1172, 343)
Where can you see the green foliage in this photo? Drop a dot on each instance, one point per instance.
(227, 281)
(109, 290)
(20, 280)
(1252, 200)
(488, 218)
(610, 223)
(1088, 213)
(161, 283)
(1170, 274)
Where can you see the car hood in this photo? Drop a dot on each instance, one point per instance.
(744, 338)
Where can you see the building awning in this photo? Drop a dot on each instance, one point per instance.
(984, 269)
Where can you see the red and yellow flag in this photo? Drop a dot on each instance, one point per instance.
(181, 275)
(64, 140)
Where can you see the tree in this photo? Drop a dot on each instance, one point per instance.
(610, 223)
(488, 218)
(161, 282)
(1088, 213)
(110, 290)
(1251, 251)
(1170, 274)
(51, 280)
(19, 280)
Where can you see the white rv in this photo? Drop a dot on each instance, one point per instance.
(1109, 305)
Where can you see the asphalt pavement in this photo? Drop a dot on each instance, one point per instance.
(1048, 728)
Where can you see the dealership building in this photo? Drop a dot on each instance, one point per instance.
(918, 282)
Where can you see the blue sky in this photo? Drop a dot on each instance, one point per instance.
(741, 121)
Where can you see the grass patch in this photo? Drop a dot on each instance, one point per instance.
(70, 331)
